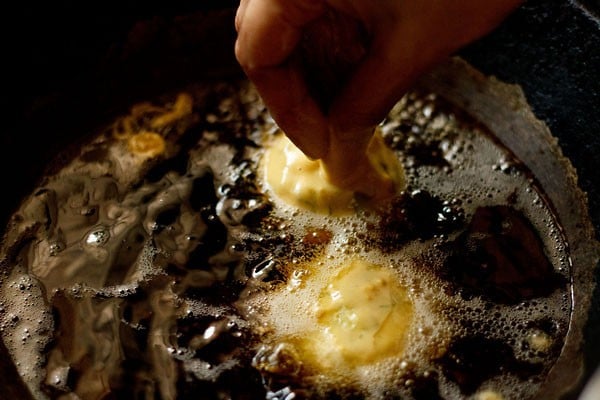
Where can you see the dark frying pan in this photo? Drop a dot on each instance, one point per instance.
(69, 67)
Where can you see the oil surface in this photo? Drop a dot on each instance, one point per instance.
(158, 264)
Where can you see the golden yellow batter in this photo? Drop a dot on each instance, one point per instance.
(304, 183)
(363, 316)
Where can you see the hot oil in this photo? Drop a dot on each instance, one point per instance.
(464, 237)
(167, 268)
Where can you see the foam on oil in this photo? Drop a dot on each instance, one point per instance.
(168, 267)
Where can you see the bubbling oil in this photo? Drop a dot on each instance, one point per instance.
(158, 264)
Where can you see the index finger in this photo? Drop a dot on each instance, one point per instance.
(268, 34)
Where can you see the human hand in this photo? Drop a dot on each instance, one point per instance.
(403, 39)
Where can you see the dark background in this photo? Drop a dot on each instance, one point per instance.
(69, 65)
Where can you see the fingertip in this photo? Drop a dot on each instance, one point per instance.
(310, 135)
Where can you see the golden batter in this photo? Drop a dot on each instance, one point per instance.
(304, 183)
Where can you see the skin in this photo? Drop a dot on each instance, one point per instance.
(384, 46)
